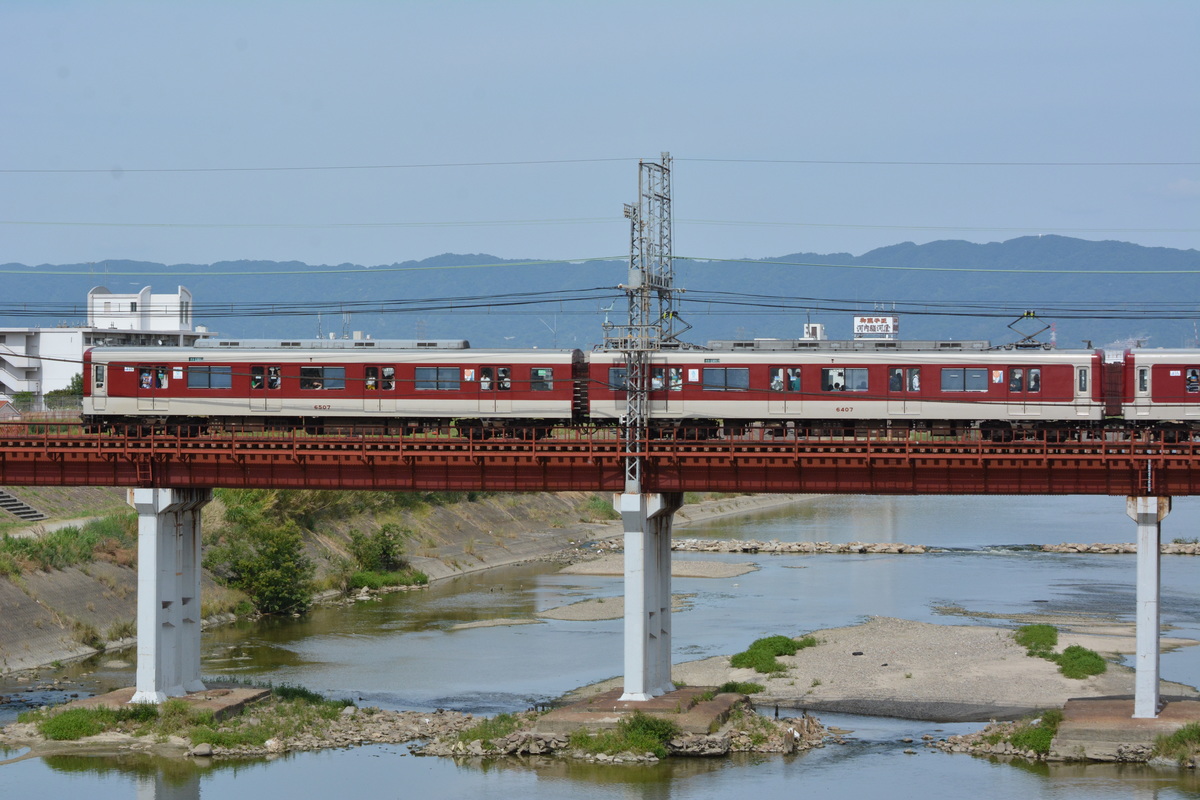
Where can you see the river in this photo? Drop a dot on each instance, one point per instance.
(400, 652)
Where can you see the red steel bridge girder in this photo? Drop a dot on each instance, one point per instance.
(593, 460)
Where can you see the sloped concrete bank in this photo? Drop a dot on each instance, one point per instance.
(70, 614)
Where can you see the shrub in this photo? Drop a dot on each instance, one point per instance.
(1038, 640)
(1079, 662)
(761, 655)
(381, 551)
(1037, 737)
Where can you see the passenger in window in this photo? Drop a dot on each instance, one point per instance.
(777, 379)
(485, 379)
(676, 379)
(914, 379)
(505, 379)
(1193, 380)
(370, 383)
(256, 381)
(389, 378)
(146, 380)
(1016, 381)
(794, 379)
(1035, 380)
(273, 378)
(895, 379)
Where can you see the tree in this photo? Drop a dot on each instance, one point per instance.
(264, 558)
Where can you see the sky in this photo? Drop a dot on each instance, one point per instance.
(380, 132)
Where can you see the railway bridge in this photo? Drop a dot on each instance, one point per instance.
(171, 475)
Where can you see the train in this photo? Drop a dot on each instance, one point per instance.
(785, 386)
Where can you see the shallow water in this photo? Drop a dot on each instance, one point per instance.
(400, 653)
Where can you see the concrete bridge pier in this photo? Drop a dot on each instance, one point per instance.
(168, 600)
(1148, 513)
(647, 522)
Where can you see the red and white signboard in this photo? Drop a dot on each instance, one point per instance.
(870, 325)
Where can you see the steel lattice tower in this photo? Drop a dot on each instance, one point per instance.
(650, 288)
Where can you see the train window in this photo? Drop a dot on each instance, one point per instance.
(895, 379)
(541, 379)
(274, 380)
(1035, 379)
(914, 379)
(955, 379)
(503, 378)
(1143, 379)
(616, 379)
(322, 378)
(371, 378)
(152, 378)
(389, 379)
(210, 377)
(436, 378)
(487, 379)
(1083, 379)
(847, 379)
(726, 379)
(670, 378)
(99, 376)
(1192, 381)
(257, 377)
(1016, 380)
(785, 379)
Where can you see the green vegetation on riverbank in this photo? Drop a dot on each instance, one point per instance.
(761, 654)
(110, 539)
(1075, 662)
(637, 733)
(289, 711)
(1033, 734)
(1182, 746)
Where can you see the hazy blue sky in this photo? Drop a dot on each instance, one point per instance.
(734, 91)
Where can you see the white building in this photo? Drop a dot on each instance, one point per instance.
(40, 360)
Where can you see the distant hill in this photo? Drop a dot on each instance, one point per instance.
(1036, 273)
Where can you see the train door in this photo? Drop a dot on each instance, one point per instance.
(783, 391)
(99, 387)
(1083, 391)
(1018, 382)
(153, 381)
(666, 387)
(379, 388)
(904, 390)
(1141, 391)
(266, 387)
(495, 389)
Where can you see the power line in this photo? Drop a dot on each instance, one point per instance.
(820, 162)
(326, 168)
(1038, 271)
(357, 271)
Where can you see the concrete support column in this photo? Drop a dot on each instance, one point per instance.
(1148, 512)
(168, 618)
(647, 522)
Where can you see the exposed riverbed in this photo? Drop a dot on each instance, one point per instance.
(403, 651)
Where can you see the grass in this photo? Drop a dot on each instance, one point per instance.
(729, 687)
(1038, 640)
(638, 733)
(111, 539)
(1074, 662)
(1180, 746)
(1036, 735)
(495, 728)
(291, 710)
(368, 579)
(762, 654)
